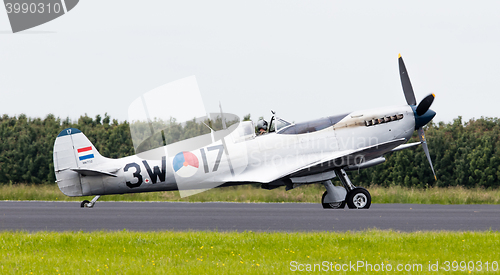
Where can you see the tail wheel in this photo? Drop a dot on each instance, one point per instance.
(359, 198)
(84, 203)
(331, 205)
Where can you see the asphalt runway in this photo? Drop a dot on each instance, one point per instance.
(291, 217)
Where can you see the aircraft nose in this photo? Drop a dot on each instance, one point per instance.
(424, 119)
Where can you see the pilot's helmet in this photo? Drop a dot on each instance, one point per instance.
(262, 124)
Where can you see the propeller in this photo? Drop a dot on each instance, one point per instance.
(425, 104)
(405, 81)
(422, 112)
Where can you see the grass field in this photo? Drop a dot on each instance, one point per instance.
(309, 193)
(167, 252)
(244, 253)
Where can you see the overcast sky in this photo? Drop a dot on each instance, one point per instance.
(304, 59)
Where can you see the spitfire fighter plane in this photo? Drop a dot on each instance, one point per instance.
(289, 154)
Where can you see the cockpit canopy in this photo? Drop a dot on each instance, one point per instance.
(281, 124)
(308, 126)
(278, 124)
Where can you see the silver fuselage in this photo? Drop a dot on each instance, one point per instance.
(239, 159)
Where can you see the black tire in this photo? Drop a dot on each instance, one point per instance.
(336, 205)
(358, 198)
(82, 205)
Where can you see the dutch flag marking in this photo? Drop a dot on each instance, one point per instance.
(85, 153)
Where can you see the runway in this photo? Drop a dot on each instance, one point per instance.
(290, 217)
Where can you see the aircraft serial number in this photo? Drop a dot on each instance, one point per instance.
(154, 174)
(217, 160)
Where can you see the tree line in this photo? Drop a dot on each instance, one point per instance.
(463, 153)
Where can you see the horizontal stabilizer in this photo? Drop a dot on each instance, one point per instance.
(93, 172)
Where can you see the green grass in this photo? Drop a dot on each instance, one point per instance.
(309, 193)
(237, 253)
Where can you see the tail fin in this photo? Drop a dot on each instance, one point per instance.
(73, 151)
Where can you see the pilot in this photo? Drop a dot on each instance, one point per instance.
(261, 127)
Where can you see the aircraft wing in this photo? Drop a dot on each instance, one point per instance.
(345, 158)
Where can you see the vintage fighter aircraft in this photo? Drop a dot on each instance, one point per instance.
(290, 154)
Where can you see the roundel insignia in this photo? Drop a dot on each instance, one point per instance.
(185, 164)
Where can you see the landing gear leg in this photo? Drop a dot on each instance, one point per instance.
(357, 197)
(89, 204)
(344, 179)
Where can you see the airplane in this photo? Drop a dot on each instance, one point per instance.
(288, 154)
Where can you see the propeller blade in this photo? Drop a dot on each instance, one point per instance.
(421, 135)
(425, 104)
(405, 81)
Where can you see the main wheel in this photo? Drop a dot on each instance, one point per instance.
(84, 203)
(358, 198)
(331, 205)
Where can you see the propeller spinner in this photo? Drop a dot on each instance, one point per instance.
(422, 112)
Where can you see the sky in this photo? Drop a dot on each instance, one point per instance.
(303, 59)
